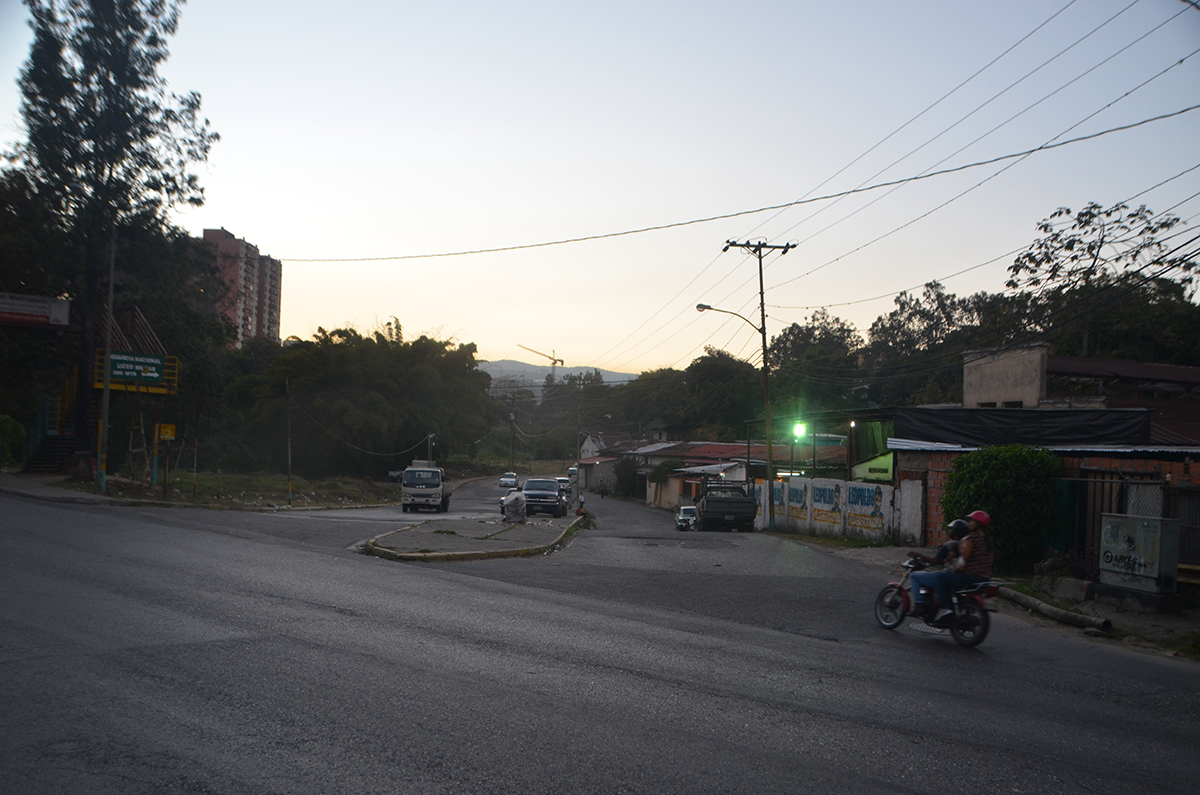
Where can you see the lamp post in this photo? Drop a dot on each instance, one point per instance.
(105, 398)
(767, 407)
(758, 248)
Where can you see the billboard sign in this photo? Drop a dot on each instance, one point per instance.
(138, 367)
(34, 310)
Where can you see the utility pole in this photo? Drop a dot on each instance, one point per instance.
(758, 248)
(287, 391)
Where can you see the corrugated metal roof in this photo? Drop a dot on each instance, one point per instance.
(1122, 368)
(917, 445)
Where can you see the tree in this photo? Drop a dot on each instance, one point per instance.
(722, 393)
(107, 146)
(1095, 245)
(815, 364)
(1093, 260)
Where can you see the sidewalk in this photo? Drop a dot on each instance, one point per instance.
(40, 487)
(473, 539)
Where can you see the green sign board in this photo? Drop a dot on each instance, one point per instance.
(140, 367)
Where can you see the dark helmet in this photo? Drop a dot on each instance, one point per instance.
(981, 517)
(958, 529)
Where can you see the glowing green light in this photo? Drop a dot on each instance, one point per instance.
(799, 430)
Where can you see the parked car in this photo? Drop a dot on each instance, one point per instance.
(508, 480)
(542, 495)
(685, 517)
(564, 485)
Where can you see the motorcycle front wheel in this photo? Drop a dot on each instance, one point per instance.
(971, 624)
(889, 607)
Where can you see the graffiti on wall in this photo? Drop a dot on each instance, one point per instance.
(827, 502)
(797, 500)
(864, 507)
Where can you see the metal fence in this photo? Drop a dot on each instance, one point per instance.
(1085, 499)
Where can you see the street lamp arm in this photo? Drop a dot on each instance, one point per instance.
(707, 308)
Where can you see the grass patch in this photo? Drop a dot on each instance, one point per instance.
(258, 490)
(445, 532)
(1190, 647)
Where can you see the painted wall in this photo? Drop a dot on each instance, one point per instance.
(825, 506)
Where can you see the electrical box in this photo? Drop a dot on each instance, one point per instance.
(1139, 553)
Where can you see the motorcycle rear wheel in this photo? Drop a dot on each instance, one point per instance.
(889, 607)
(971, 624)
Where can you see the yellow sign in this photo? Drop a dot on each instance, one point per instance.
(166, 432)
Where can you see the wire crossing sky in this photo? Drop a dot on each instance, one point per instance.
(371, 129)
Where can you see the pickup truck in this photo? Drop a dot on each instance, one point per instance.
(726, 503)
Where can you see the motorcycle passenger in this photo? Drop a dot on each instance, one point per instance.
(973, 564)
(957, 529)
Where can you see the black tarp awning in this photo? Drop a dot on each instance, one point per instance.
(1044, 427)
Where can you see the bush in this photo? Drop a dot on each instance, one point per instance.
(626, 473)
(1014, 484)
(12, 436)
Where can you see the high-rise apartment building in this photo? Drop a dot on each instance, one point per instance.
(255, 284)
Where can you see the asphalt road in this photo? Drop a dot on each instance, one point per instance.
(158, 650)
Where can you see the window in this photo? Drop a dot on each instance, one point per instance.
(1014, 404)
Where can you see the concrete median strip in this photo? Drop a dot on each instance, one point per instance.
(419, 542)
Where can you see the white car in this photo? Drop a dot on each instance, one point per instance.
(508, 480)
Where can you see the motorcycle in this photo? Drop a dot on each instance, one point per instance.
(969, 622)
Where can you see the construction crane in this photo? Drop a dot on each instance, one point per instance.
(549, 356)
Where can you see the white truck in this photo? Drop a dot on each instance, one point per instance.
(423, 485)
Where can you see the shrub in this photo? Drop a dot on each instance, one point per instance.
(626, 473)
(1014, 484)
(12, 436)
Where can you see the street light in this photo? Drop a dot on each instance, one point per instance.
(757, 248)
(767, 398)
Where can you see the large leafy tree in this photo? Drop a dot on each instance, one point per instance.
(109, 150)
(356, 400)
(722, 392)
(815, 365)
(1113, 282)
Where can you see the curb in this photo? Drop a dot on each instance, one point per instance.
(372, 548)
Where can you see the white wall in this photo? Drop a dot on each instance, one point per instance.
(825, 506)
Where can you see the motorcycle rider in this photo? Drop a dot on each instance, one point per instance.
(957, 529)
(973, 564)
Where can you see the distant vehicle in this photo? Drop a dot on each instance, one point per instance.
(423, 485)
(508, 480)
(685, 517)
(564, 485)
(573, 473)
(726, 503)
(542, 495)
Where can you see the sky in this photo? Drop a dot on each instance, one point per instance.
(370, 145)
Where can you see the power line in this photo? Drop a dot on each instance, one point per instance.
(741, 213)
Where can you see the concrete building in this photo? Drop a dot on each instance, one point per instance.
(255, 285)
